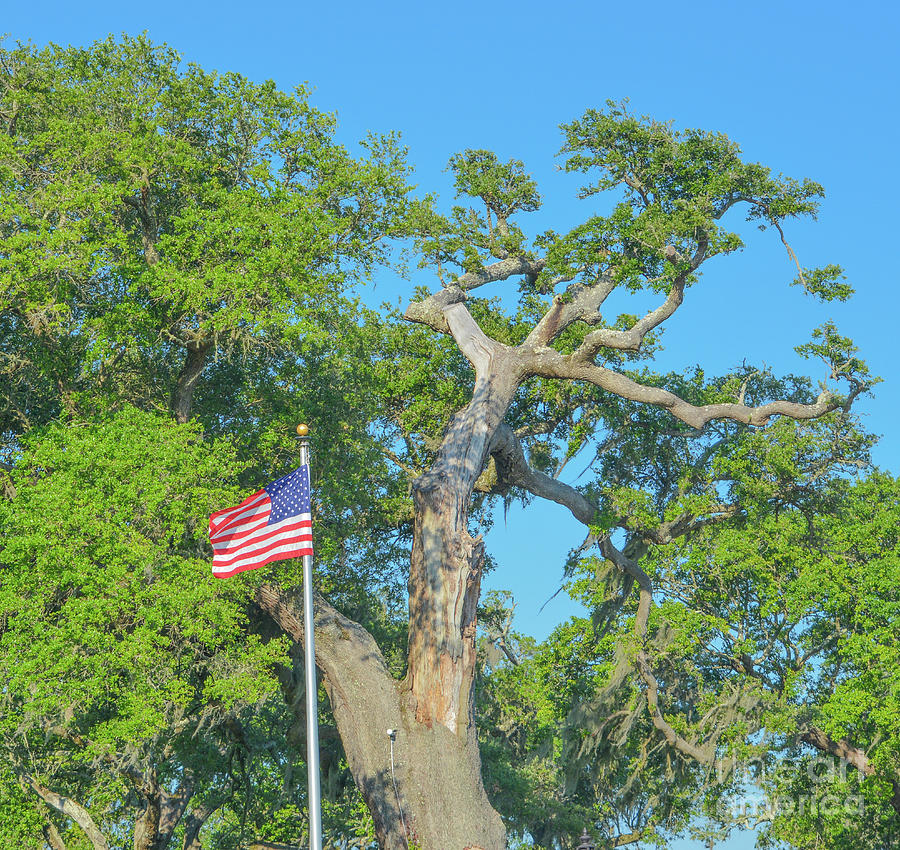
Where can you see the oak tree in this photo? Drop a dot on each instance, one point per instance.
(554, 368)
(181, 245)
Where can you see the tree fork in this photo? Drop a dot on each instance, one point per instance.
(183, 394)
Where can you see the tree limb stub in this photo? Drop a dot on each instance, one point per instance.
(580, 302)
(431, 311)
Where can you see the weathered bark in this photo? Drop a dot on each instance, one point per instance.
(841, 749)
(446, 563)
(854, 756)
(161, 813)
(70, 809)
(438, 799)
(183, 394)
(433, 791)
(53, 838)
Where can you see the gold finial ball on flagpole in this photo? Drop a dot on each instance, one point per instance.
(302, 430)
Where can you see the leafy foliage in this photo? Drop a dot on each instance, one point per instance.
(179, 255)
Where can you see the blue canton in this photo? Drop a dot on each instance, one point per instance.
(289, 495)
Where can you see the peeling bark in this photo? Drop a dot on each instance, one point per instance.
(439, 800)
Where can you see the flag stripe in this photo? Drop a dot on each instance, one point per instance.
(273, 556)
(284, 530)
(238, 508)
(298, 545)
(235, 533)
(222, 556)
(258, 507)
(225, 545)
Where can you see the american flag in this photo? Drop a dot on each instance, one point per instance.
(270, 525)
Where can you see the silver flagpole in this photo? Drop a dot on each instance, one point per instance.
(312, 710)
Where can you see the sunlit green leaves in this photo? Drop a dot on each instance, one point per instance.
(109, 601)
(146, 205)
(826, 283)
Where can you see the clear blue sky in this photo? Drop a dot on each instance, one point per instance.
(810, 89)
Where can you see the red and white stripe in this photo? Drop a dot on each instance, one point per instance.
(242, 539)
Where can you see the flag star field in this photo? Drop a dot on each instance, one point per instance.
(289, 495)
(271, 525)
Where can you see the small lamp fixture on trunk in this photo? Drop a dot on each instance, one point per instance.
(586, 843)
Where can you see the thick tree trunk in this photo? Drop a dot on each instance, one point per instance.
(146, 826)
(161, 812)
(432, 794)
(447, 562)
(443, 766)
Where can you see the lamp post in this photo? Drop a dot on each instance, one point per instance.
(586, 842)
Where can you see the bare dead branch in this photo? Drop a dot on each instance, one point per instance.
(580, 302)
(549, 363)
(631, 339)
(502, 270)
